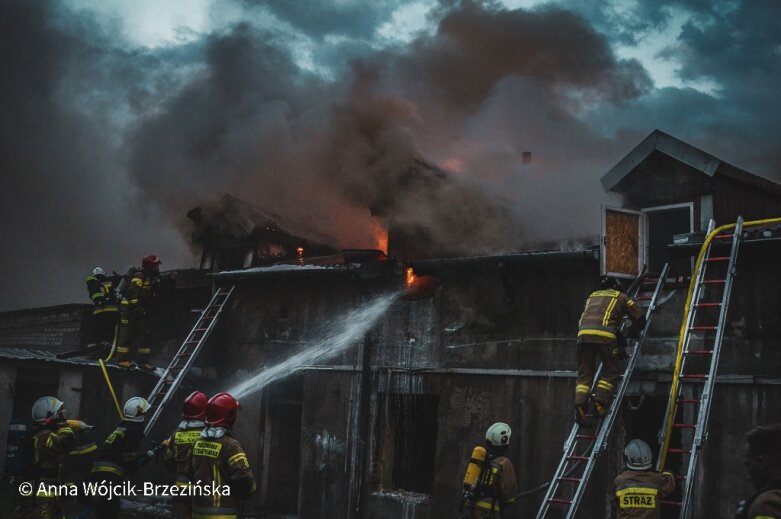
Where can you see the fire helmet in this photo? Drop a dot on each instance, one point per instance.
(135, 408)
(46, 410)
(607, 282)
(97, 271)
(194, 407)
(638, 455)
(498, 434)
(222, 410)
(150, 262)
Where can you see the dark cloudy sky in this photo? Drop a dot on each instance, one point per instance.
(117, 117)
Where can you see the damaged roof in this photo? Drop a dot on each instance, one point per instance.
(49, 356)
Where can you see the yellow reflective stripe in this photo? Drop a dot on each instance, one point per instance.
(487, 506)
(217, 482)
(609, 311)
(124, 302)
(144, 350)
(237, 457)
(123, 349)
(137, 281)
(582, 388)
(96, 295)
(83, 450)
(108, 467)
(637, 497)
(213, 516)
(602, 384)
(600, 333)
(133, 301)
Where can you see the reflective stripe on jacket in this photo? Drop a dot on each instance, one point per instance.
(602, 315)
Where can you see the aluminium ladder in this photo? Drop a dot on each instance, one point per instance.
(174, 374)
(568, 485)
(697, 359)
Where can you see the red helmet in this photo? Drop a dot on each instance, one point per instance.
(222, 410)
(149, 262)
(194, 407)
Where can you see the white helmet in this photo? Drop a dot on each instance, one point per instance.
(498, 434)
(45, 409)
(638, 455)
(97, 271)
(135, 408)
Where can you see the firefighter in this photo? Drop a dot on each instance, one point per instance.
(494, 489)
(180, 447)
(638, 489)
(762, 458)
(219, 459)
(134, 333)
(119, 456)
(51, 442)
(598, 337)
(105, 311)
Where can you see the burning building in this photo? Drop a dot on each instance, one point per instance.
(375, 414)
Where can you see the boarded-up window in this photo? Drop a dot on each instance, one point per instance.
(621, 242)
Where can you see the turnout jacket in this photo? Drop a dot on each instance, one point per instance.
(638, 493)
(180, 448)
(139, 292)
(496, 488)
(50, 444)
(764, 505)
(119, 454)
(101, 292)
(217, 457)
(602, 315)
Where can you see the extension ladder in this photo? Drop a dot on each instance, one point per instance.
(568, 485)
(697, 359)
(174, 374)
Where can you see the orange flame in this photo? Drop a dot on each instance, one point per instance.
(380, 234)
(410, 276)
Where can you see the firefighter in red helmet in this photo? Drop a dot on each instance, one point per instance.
(134, 333)
(219, 459)
(180, 447)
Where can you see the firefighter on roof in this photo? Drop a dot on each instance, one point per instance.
(51, 442)
(219, 459)
(180, 447)
(489, 484)
(639, 489)
(762, 458)
(598, 337)
(134, 336)
(105, 311)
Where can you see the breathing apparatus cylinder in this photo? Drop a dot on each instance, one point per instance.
(475, 467)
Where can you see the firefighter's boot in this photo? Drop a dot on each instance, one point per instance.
(146, 366)
(581, 417)
(600, 409)
(126, 364)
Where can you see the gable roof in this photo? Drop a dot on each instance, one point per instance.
(694, 157)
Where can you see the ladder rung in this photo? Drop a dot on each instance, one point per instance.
(723, 237)
(714, 281)
(699, 352)
(559, 501)
(200, 329)
(679, 451)
(643, 298)
(570, 478)
(684, 401)
(578, 458)
(707, 305)
(703, 328)
(697, 376)
(718, 258)
(680, 477)
(586, 437)
(684, 426)
(670, 503)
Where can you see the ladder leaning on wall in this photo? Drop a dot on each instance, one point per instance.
(166, 387)
(582, 449)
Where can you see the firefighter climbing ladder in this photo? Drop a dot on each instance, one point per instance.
(166, 387)
(697, 360)
(582, 450)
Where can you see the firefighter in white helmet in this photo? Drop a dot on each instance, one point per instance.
(120, 456)
(639, 488)
(52, 439)
(490, 483)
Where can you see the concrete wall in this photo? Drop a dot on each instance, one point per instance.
(485, 360)
(55, 328)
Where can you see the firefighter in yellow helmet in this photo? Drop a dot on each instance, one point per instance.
(219, 459)
(180, 447)
(134, 332)
(597, 337)
(52, 440)
(762, 458)
(639, 488)
(490, 490)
